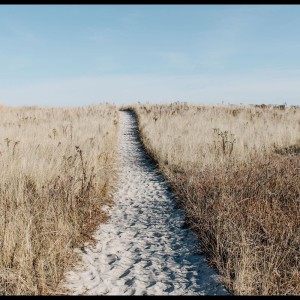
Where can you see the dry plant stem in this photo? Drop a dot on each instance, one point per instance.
(236, 170)
(54, 181)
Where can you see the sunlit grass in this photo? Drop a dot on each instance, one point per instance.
(57, 168)
(236, 170)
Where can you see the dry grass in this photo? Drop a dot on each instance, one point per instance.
(57, 167)
(236, 170)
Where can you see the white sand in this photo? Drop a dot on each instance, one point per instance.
(143, 249)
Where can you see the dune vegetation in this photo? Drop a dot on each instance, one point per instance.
(236, 171)
(57, 171)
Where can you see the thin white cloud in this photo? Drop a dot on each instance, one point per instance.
(15, 30)
(133, 18)
(101, 35)
(130, 89)
(218, 44)
(178, 60)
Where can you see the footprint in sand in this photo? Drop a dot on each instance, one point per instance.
(156, 250)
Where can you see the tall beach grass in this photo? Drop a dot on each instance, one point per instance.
(57, 169)
(236, 171)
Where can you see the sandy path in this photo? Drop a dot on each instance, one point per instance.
(143, 249)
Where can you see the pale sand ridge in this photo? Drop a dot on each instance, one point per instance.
(144, 249)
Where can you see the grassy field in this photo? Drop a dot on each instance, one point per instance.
(57, 169)
(236, 170)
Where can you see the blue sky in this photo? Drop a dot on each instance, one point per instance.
(86, 54)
